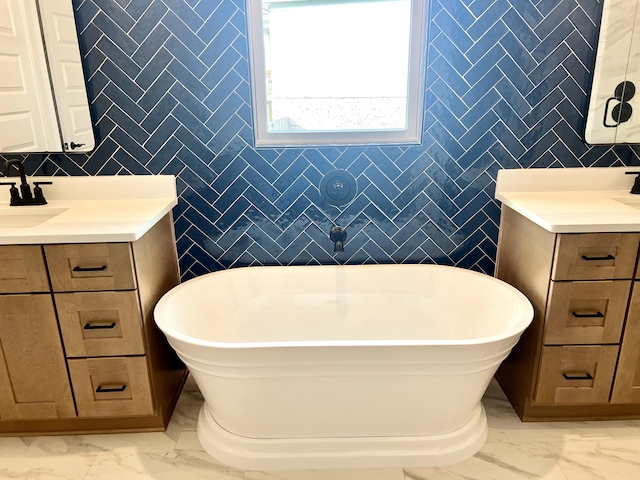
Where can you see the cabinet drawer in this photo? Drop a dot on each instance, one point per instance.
(595, 256)
(22, 269)
(90, 267)
(586, 312)
(111, 387)
(98, 324)
(576, 374)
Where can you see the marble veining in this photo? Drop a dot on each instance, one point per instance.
(514, 451)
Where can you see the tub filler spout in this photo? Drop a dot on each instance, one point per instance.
(338, 235)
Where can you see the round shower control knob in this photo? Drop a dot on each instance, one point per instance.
(338, 187)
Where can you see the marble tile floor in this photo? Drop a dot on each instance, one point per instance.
(514, 451)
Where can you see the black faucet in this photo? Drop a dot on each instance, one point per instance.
(338, 235)
(24, 195)
(636, 185)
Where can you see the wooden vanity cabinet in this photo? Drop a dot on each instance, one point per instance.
(580, 357)
(81, 350)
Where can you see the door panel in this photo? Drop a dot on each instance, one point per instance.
(27, 116)
(59, 31)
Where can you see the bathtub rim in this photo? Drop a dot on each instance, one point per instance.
(520, 325)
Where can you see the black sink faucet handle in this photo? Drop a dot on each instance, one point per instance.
(636, 185)
(13, 191)
(37, 191)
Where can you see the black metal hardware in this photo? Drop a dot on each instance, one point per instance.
(37, 191)
(608, 257)
(586, 376)
(636, 184)
(13, 192)
(622, 111)
(93, 326)
(24, 196)
(338, 187)
(588, 315)
(107, 390)
(338, 235)
(89, 269)
(74, 145)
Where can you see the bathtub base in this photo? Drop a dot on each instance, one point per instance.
(354, 452)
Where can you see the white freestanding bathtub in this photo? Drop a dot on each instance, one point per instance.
(343, 366)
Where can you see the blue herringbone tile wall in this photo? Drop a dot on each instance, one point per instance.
(168, 83)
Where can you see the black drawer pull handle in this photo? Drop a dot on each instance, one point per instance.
(588, 315)
(608, 257)
(90, 269)
(94, 326)
(586, 376)
(106, 390)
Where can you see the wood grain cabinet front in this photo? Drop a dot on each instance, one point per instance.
(626, 388)
(90, 267)
(22, 269)
(580, 357)
(595, 256)
(86, 356)
(34, 383)
(111, 387)
(96, 324)
(586, 312)
(576, 374)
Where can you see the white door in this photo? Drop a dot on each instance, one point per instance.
(27, 115)
(59, 30)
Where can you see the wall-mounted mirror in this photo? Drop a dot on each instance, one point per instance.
(43, 97)
(614, 108)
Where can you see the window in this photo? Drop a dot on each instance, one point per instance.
(337, 71)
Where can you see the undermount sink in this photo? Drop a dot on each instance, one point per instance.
(24, 217)
(631, 202)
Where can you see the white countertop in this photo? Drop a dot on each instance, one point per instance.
(573, 200)
(88, 209)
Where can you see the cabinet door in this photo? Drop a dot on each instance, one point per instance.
(626, 388)
(33, 376)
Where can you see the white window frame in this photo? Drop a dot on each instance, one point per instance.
(415, 91)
